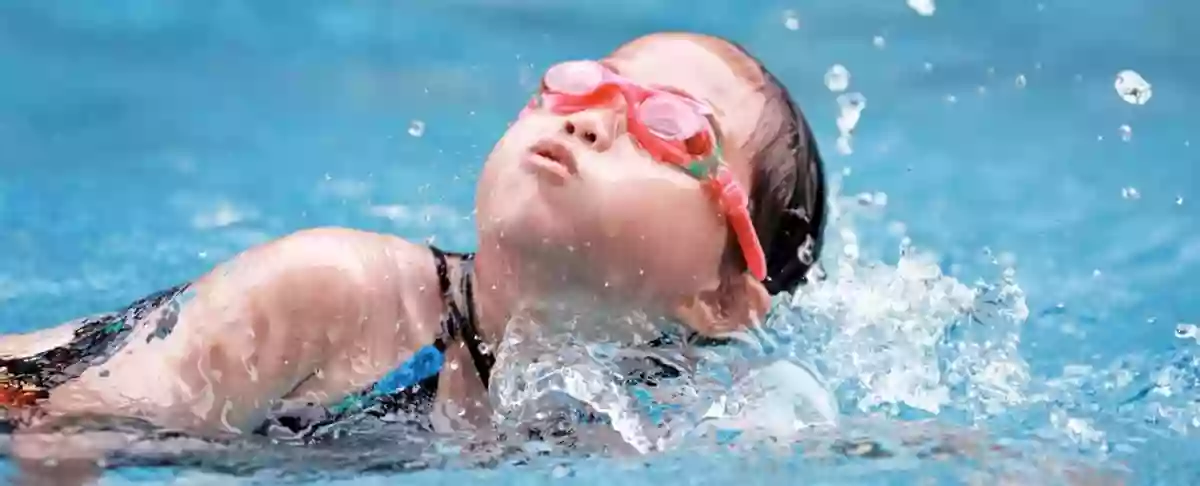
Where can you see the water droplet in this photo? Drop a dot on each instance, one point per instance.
(1132, 87)
(790, 20)
(1130, 193)
(1126, 133)
(416, 128)
(1179, 200)
(1021, 82)
(879, 41)
(852, 105)
(843, 145)
(561, 471)
(851, 251)
(924, 8)
(837, 79)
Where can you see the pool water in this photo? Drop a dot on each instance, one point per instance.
(1012, 252)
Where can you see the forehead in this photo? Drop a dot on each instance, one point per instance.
(714, 73)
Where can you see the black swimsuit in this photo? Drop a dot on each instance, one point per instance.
(408, 391)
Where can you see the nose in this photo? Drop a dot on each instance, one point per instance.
(596, 128)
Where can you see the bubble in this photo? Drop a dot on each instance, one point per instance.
(1130, 193)
(928, 66)
(790, 20)
(924, 8)
(1132, 87)
(1179, 200)
(837, 79)
(879, 41)
(416, 128)
(1021, 81)
(1126, 133)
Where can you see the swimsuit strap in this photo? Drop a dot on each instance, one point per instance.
(481, 354)
(415, 381)
(460, 321)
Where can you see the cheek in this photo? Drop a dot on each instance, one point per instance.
(499, 175)
(665, 237)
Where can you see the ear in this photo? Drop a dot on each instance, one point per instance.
(738, 303)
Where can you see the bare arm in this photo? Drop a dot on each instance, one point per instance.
(341, 305)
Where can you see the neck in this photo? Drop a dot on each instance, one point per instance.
(545, 294)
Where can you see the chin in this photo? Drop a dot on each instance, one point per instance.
(530, 223)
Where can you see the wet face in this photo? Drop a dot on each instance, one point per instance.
(577, 199)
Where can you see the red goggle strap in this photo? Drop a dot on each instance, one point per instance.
(735, 204)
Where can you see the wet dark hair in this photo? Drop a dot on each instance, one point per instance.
(787, 196)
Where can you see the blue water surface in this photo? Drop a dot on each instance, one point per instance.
(143, 141)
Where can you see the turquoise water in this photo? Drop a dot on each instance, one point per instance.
(143, 141)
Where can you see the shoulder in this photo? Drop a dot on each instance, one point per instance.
(351, 252)
(340, 268)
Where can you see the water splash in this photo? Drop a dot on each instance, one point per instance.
(538, 374)
(888, 337)
(891, 337)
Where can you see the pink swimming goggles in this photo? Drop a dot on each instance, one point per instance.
(672, 126)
